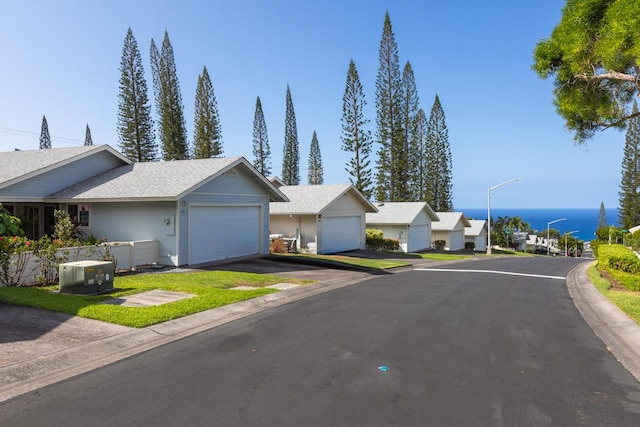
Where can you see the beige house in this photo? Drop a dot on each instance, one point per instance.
(321, 218)
(477, 234)
(407, 222)
(451, 229)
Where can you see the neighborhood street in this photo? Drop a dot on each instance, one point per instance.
(492, 343)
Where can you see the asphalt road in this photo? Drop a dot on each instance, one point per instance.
(460, 345)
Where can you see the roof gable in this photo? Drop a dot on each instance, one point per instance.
(478, 227)
(19, 165)
(315, 199)
(400, 213)
(169, 180)
(450, 221)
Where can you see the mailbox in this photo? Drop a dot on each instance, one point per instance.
(86, 277)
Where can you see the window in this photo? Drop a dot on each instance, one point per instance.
(79, 214)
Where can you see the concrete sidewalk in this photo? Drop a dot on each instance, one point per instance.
(51, 347)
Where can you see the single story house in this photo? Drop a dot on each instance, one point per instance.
(322, 219)
(451, 229)
(407, 222)
(198, 210)
(477, 234)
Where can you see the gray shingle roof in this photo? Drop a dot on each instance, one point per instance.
(150, 180)
(399, 213)
(314, 199)
(448, 221)
(478, 227)
(22, 164)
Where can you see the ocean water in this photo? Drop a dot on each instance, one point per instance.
(583, 220)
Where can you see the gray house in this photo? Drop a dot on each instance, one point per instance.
(28, 177)
(198, 210)
(407, 222)
(322, 218)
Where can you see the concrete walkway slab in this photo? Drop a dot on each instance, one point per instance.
(150, 298)
(283, 286)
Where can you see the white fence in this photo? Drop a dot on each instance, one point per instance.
(127, 256)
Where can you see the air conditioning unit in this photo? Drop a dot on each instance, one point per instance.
(86, 277)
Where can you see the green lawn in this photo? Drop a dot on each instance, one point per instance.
(627, 301)
(212, 289)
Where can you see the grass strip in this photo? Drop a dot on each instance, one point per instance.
(212, 289)
(627, 301)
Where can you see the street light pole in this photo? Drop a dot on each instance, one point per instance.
(548, 224)
(565, 241)
(489, 210)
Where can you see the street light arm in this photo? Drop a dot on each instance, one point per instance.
(556, 220)
(489, 210)
(504, 183)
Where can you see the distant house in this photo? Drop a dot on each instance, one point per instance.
(407, 222)
(451, 229)
(519, 241)
(534, 243)
(322, 218)
(198, 210)
(477, 234)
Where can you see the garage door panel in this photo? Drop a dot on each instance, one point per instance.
(221, 232)
(418, 237)
(341, 234)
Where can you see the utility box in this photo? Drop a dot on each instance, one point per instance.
(86, 277)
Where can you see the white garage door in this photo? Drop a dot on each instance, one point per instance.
(221, 232)
(418, 238)
(343, 233)
(457, 240)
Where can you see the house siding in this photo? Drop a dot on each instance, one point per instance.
(346, 205)
(60, 178)
(136, 221)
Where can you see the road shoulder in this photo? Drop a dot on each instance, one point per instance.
(618, 332)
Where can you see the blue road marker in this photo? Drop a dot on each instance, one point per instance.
(384, 368)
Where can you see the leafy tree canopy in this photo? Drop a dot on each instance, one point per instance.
(593, 55)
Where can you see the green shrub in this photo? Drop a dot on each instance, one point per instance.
(440, 244)
(377, 242)
(470, 246)
(594, 247)
(373, 233)
(621, 263)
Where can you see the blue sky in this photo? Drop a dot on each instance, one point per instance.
(61, 59)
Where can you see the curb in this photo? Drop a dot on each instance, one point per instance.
(616, 330)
